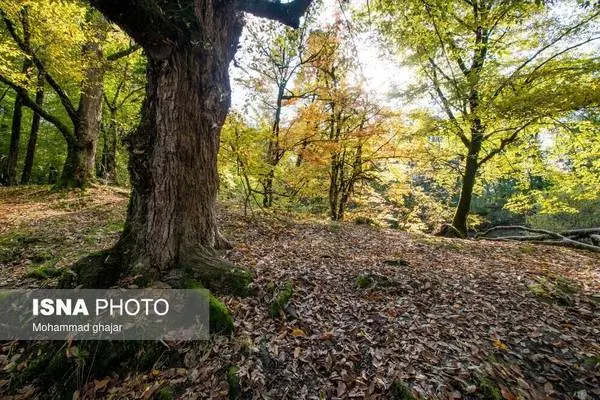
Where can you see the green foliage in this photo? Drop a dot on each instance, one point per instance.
(43, 272)
(281, 300)
(233, 381)
(364, 281)
(500, 78)
(165, 394)
(399, 391)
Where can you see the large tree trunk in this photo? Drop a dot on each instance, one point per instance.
(33, 133)
(173, 154)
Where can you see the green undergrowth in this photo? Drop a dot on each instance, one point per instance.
(281, 299)
(558, 290)
(45, 271)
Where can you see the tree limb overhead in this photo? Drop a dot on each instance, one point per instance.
(286, 13)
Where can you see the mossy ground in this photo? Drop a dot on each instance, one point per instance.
(281, 299)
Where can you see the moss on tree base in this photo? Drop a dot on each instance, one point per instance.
(220, 319)
(217, 274)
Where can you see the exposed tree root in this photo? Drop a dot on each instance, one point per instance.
(215, 273)
(59, 372)
(576, 238)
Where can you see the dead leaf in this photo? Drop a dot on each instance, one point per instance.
(297, 332)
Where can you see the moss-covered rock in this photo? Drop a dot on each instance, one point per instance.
(43, 272)
(221, 321)
(217, 274)
(488, 390)
(364, 281)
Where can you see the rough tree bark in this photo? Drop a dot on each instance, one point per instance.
(78, 170)
(79, 166)
(171, 224)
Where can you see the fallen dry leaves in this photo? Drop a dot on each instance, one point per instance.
(440, 315)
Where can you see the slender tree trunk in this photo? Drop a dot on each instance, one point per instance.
(108, 163)
(273, 151)
(468, 183)
(173, 154)
(33, 133)
(268, 187)
(15, 139)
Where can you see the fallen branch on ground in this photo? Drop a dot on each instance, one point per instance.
(575, 238)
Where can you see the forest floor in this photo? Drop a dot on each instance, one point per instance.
(373, 312)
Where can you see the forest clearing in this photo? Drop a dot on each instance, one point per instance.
(370, 308)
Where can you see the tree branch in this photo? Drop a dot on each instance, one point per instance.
(541, 236)
(28, 102)
(446, 106)
(516, 72)
(25, 48)
(505, 142)
(123, 53)
(286, 13)
(145, 21)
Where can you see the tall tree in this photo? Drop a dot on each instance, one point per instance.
(33, 132)
(498, 70)
(82, 105)
(171, 218)
(123, 92)
(15, 135)
(275, 57)
(351, 129)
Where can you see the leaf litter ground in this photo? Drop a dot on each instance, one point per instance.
(372, 310)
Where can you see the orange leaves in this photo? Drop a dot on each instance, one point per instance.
(499, 344)
(297, 332)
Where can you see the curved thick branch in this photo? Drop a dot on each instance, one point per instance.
(28, 102)
(145, 21)
(286, 13)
